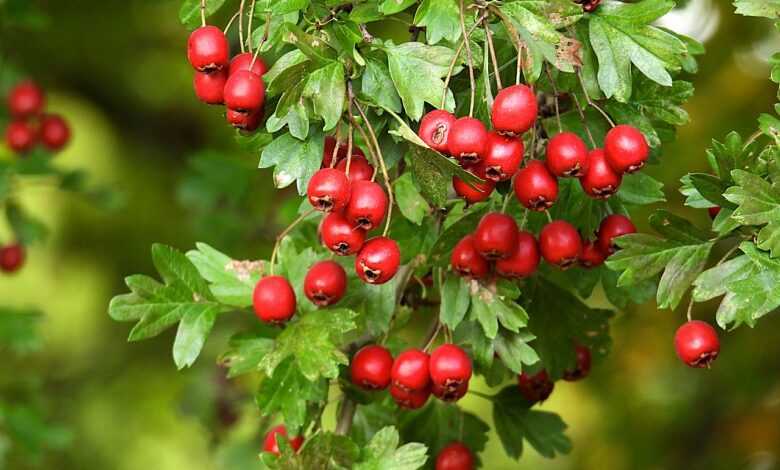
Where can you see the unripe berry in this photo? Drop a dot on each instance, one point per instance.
(467, 140)
(274, 299)
(611, 227)
(359, 168)
(514, 110)
(339, 236)
(496, 236)
(582, 367)
(271, 445)
(535, 187)
(473, 194)
(208, 49)
(370, 367)
(54, 132)
(626, 149)
(435, 128)
(537, 387)
(325, 283)
(450, 393)
(503, 155)
(410, 399)
(449, 366)
(411, 370)
(367, 204)
(591, 255)
(600, 181)
(25, 100)
(244, 121)
(560, 243)
(210, 87)
(524, 259)
(567, 155)
(20, 136)
(456, 456)
(696, 343)
(378, 260)
(244, 91)
(466, 261)
(328, 190)
(244, 60)
(12, 257)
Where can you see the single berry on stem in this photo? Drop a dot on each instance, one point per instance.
(514, 110)
(435, 129)
(243, 61)
(467, 140)
(271, 445)
(325, 283)
(535, 187)
(339, 236)
(475, 192)
(378, 260)
(697, 344)
(455, 456)
(626, 149)
(20, 136)
(467, 261)
(524, 259)
(535, 387)
(411, 370)
(359, 168)
(210, 87)
(12, 257)
(567, 155)
(600, 181)
(328, 190)
(367, 204)
(274, 299)
(503, 156)
(560, 243)
(582, 365)
(54, 132)
(450, 366)
(26, 99)
(371, 366)
(613, 226)
(496, 236)
(244, 92)
(208, 49)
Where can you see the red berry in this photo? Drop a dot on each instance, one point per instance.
(626, 149)
(450, 393)
(467, 140)
(325, 283)
(514, 110)
(473, 194)
(244, 60)
(600, 180)
(12, 257)
(537, 387)
(524, 259)
(410, 399)
(713, 211)
(455, 456)
(208, 49)
(367, 204)
(371, 366)
(466, 261)
(339, 236)
(611, 227)
(210, 87)
(567, 155)
(274, 299)
(582, 369)
(20, 136)
(359, 168)
(341, 153)
(591, 255)
(244, 121)
(560, 243)
(411, 370)
(25, 100)
(696, 343)
(496, 236)
(503, 156)
(270, 444)
(449, 366)
(244, 92)
(435, 128)
(378, 260)
(535, 187)
(328, 190)
(54, 132)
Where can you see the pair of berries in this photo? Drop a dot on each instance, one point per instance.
(594, 252)
(271, 444)
(625, 151)
(29, 126)
(12, 257)
(455, 456)
(538, 387)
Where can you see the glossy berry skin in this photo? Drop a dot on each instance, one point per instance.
(12, 257)
(455, 456)
(713, 212)
(514, 110)
(467, 140)
(600, 181)
(244, 121)
(410, 399)
(54, 132)
(378, 260)
(503, 156)
(359, 168)
(537, 387)
(560, 243)
(473, 194)
(535, 187)
(210, 87)
(26, 99)
(20, 136)
(524, 259)
(496, 236)
(367, 204)
(697, 344)
(451, 393)
(274, 300)
(244, 60)
(582, 368)
(325, 283)
(270, 444)
(567, 155)
(339, 236)
(449, 366)
(208, 49)
(591, 255)
(613, 226)
(411, 370)
(328, 190)
(435, 129)
(467, 261)
(626, 149)
(244, 91)
(370, 367)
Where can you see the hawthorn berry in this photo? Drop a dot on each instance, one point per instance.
(325, 283)
(271, 445)
(449, 366)
(535, 187)
(696, 343)
(496, 236)
(378, 260)
(591, 255)
(339, 236)
(367, 204)
(582, 367)
(244, 92)
(567, 155)
(244, 60)
(410, 399)
(626, 149)
(20, 136)
(12, 257)
(54, 132)
(503, 155)
(330, 147)
(210, 87)
(274, 299)
(467, 140)
(475, 192)
(524, 259)
(328, 190)
(370, 367)
(713, 211)
(435, 128)
(359, 168)
(467, 261)
(600, 181)
(613, 226)
(244, 121)
(456, 456)
(208, 49)
(514, 110)
(411, 370)
(25, 100)
(537, 387)
(450, 394)
(560, 243)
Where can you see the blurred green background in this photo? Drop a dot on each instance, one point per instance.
(118, 71)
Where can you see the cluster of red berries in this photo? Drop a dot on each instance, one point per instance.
(538, 387)
(236, 83)
(30, 125)
(11, 257)
(414, 375)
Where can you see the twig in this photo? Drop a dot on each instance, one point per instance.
(455, 61)
(266, 32)
(346, 416)
(241, 24)
(584, 121)
(203, 12)
(249, 28)
(493, 57)
(470, 59)
(286, 232)
(591, 102)
(230, 23)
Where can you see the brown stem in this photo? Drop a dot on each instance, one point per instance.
(203, 12)
(470, 60)
(591, 102)
(584, 121)
(493, 57)
(249, 27)
(241, 24)
(286, 232)
(455, 61)
(263, 39)
(230, 23)
(346, 416)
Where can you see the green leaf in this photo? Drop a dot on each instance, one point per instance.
(677, 228)
(759, 204)
(391, 7)
(766, 8)
(327, 90)
(383, 453)
(26, 228)
(189, 13)
(232, 282)
(377, 86)
(710, 187)
(194, 328)
(641, 189)
(411, 204)
(441, 19)
(455, 301)
(19, 330)
(244, 353)
(514, 351)
(279, 7)
(328, 450)
(294, 160)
